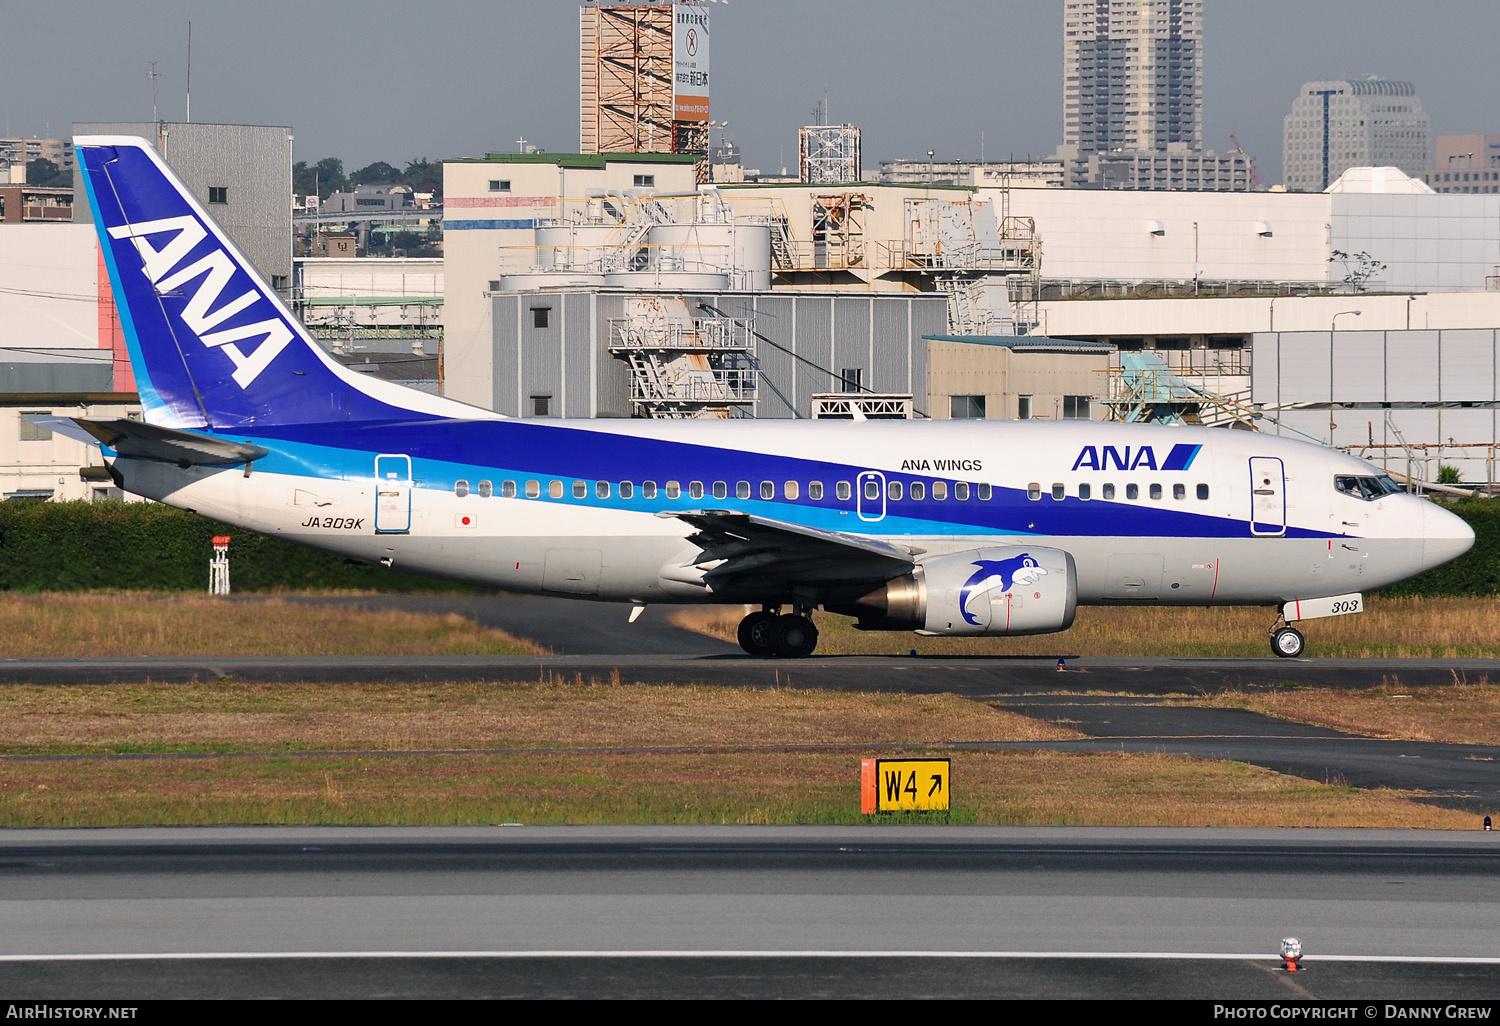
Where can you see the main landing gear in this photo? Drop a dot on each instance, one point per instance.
(770, 632)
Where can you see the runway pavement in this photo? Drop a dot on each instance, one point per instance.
(732, 912)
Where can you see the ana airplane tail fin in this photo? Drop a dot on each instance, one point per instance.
(211, 345)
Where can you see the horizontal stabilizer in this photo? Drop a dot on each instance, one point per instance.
(153, 442)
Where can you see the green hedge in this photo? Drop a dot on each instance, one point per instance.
(78, 546)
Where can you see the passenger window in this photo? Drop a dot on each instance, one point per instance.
(939, 491)
(984, 491)
(1203, 491)
(460, 488)
(815, 490)
(1179, 491)
(872, 488)
(789, 489)
(1156, 491)
(1034, 491)
(626, 489)
(533, 489)
(673, 489)
(721, 490)
(486, 489)
(601, 489)
(555, 489)
(1132, 491)
(1059, 490)
(893, 490)
(648, 489)
(1085, 492)
(695, 489)
(960, 491)
(767, 490)
(507, 489)
(842, 490)
(918, 491)
(1107, 492)
(580, 489)
(742, 490)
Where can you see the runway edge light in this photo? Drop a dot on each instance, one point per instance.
(1291, 954)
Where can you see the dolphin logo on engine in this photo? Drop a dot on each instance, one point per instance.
(997, 573)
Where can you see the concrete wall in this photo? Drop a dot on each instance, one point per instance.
(1002, 374)
(52, 464)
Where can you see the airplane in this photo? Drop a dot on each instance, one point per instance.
(941, 527)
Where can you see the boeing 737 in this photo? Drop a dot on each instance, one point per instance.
(941, 527)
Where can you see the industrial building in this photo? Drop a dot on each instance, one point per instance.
(1466, 164)
(241, 174)
(1367, 122)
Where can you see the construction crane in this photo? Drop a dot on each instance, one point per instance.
(1253, 176)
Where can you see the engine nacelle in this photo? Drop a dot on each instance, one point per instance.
(1007, 589)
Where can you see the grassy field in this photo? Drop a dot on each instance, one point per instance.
(131, 624)
(1408, 628)
(559, 753)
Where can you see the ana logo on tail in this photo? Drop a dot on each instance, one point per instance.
(997, 573)
(212, 273)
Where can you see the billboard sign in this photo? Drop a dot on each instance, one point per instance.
(689, 62)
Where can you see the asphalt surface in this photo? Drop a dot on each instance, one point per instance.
(746, 912)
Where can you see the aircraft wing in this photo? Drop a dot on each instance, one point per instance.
(746, 547)
(136, 438)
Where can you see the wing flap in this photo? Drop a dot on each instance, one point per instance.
(736, 545)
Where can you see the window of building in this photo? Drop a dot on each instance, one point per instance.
(851, 379)
(494, 285)
(541, 316)
(645, 181)
(34, 432)
(541, 406)
(1023, 407)
(218, 194)
(1075, 407)
(499, 185)
(966, 407)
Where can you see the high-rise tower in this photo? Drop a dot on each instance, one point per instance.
(1367, 122)
(1132, 75)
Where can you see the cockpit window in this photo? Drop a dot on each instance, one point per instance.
(1366, 488)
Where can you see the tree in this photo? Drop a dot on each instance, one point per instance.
(44, 174)
(379, 171)
(424, 176)
(1359, 268)
(330, 172)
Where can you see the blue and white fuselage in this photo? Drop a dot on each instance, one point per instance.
(913, 525)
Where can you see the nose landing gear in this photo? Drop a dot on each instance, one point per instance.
(769, 632)
(1286, 640)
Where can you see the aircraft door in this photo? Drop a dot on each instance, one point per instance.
(869, 495)
(1267, 497)
(392, 494)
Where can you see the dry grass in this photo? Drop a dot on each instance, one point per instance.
(106, 625)
(393, 717)
(1042, 788)
(1460, 713)
(752, 771)
(1407, 628)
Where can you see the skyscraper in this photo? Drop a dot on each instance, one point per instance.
(1132, 75)
(1367, 122)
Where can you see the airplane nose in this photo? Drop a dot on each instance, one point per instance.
(1445, 537)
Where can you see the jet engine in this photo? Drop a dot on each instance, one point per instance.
(1009, 589)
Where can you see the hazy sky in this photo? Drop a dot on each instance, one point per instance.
(369, 80)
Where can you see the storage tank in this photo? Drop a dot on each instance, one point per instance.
(675, 281)
(741, 252)
(531, 281)
(582, 246)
